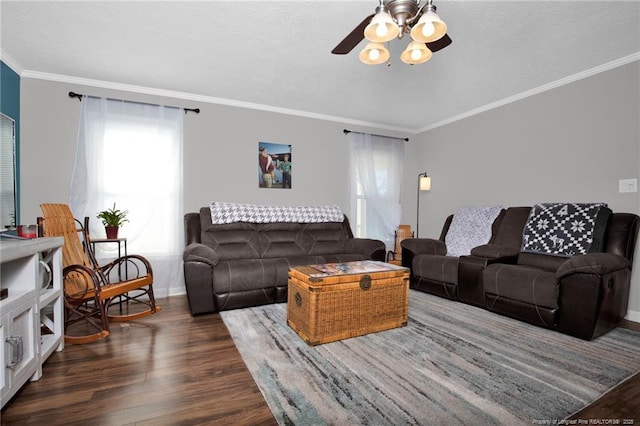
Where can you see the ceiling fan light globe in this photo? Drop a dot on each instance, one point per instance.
(422, 31)
(381, 28)
(428, 29)
(374, 54)
(416, 53)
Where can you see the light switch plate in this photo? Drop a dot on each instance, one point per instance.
(628, 185)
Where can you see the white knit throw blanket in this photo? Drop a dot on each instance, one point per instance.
(470, 227)
(222, 212)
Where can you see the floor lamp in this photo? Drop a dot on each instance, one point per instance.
(424, 184)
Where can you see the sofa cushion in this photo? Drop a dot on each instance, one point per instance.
(509, 234)
(436, 268)
(281, 240)
(542, 261)
(232, 241)
(324, 238)
(244, 274)
(470, 227)
(522, 283)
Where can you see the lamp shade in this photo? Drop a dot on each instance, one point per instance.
(381, 28)
(416, 53)
(429, 28)
(374, 53)
(425, 183)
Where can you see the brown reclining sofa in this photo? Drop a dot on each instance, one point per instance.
(583, 295)
(241, 264)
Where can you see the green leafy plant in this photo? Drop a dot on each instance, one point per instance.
(113, 216)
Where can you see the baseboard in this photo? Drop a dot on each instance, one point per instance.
(182, 291)
(633, 316)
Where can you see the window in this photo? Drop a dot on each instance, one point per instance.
(7, 173)
(376, 181)
(131, 154)
(361, 212)
(141, 175)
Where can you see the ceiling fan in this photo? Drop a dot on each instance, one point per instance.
(393, 19)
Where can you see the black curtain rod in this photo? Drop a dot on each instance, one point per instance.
(79, 96)
(346, 131)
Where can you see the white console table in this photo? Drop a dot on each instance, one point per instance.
(32, 316)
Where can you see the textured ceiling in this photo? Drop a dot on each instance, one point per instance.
(276, 54)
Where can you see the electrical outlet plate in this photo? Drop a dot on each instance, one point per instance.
(628, 185)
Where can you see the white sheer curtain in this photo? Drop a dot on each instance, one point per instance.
(131, 154)
(376, 184)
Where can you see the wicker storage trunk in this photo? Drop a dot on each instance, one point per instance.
(341, 300)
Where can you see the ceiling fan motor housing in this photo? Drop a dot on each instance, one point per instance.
(392, 19)
(403, 12)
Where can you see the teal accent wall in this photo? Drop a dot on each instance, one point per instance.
(10, 106)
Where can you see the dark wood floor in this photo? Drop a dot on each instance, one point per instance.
(621, 403)
(172, 369)
(168, 368)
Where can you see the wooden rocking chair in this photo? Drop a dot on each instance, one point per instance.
(90, 289)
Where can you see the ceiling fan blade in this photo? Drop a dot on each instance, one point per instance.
(354, 37)
(440, 44)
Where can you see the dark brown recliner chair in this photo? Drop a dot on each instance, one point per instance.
(503, 248)
(432, 271)
(584, 296)
(458, 278)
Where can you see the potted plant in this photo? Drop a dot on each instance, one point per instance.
(113, 219)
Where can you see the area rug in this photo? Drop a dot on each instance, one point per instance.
(452, 364)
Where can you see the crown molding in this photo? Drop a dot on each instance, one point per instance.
(540, 89)
(11, 63)
(306, 114)
(204, 99)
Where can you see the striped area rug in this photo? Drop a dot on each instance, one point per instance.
(452, 364)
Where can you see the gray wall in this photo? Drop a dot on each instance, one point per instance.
(220, 150)
(572, 143)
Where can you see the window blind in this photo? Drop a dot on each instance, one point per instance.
(7, 172)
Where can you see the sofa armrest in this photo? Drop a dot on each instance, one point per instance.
(411, 247)
(592, 263)
(495, 251)
(423, 246)
(594, 294)
(369, 248)
(191, 228)
(199, 261)
(196, 252)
